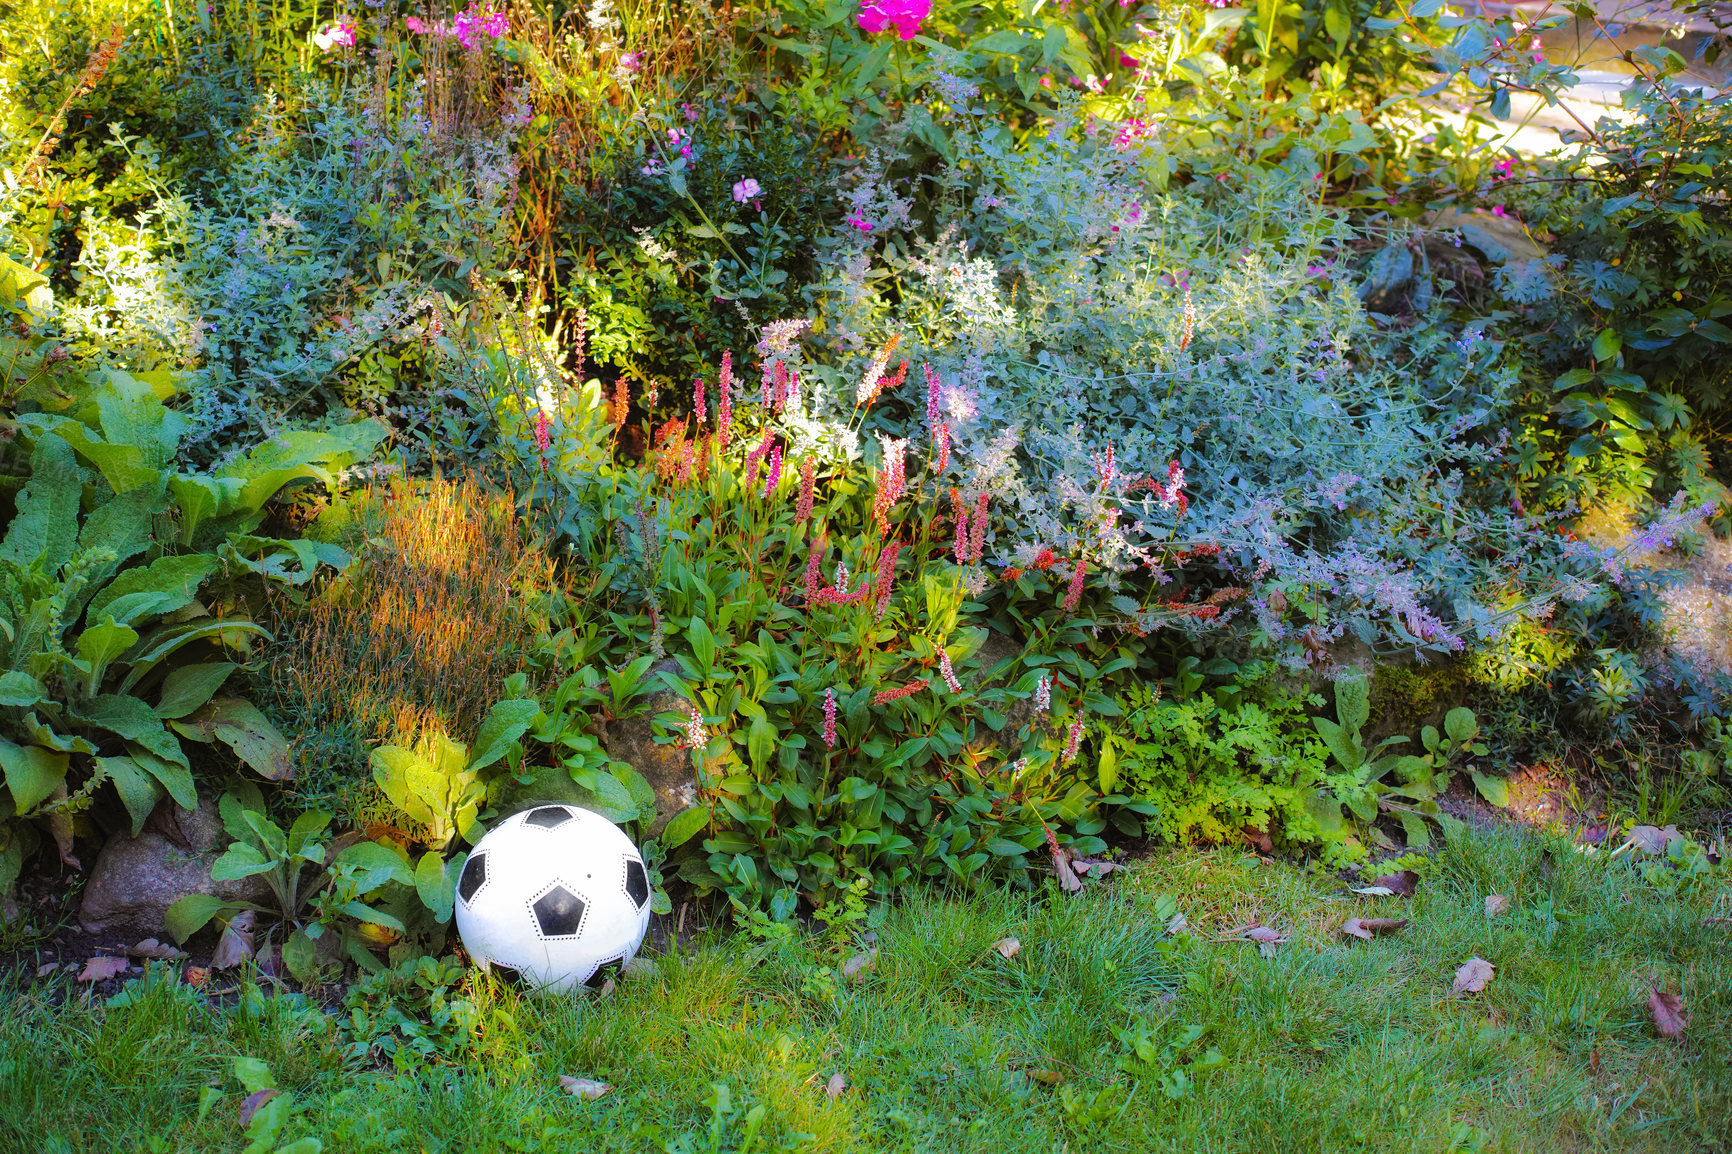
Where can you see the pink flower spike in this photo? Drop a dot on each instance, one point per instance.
(1043, 693)
(1073, 595)
(830, 719)
(943, 448)
(775, 477)
(700, 403)
(948, 673)
(695, 736)
(1073, 739)
(960, 549)
(808, 482)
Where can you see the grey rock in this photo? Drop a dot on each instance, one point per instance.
(136, 879)
(667, 767)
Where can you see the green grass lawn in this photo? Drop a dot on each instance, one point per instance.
(1104, 1032)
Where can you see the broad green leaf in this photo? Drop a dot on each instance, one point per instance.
(177, 577)
(1345, 749)
(190, 914)
(173, 776)
(300, 954)
(1459, 723)
(190, 687)
(504, 724)
(134, 720)
(21, 690)
(99, 645)
(138, 790)
(1353, 702)
(307, 827)
(436, 885)
(380, 863)
(239, 725)
(32, 773)
(392, 766)
(1493, 789)
(363, 912)
(643, 795)
(684, 825)
(45, 526)
(201, 498)
(703, 645)
(760, 741)
(242, 860)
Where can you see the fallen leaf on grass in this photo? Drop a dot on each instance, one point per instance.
(1368, 927)
(156, 951)
(1495, 904)
(639, 969)
(1007, 947)
(1266, 938)
(1094, 867)
(1177, 924)
(197, 976)
(606, 990)
(1067, 879)
(236, 944)
(44, 970)
(100, 969)
(834, 1087)
(251, 1103)
(860, 963)
(1259, 839)
(1047, 1077)
(1650, 839)
(586, 1088)
(1402, 884)
(1670, 1017)
(1473, 975)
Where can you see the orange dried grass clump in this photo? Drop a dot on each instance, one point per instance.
(445, 598)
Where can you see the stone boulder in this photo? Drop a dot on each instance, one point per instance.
(136, 879)
(667, 767)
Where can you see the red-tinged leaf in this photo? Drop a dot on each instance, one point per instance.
(1495, 904)
(1650, 839)
(834, 1087)
(1007, 947)
(586, 1088)
(1670, 1017)
(1264, 934)
(1368, 928)
(1260, 839)
(1473, 975)
(1401, 884)
(1046, 1077)
(1094, 867)
(251, 1103)
(100, 969)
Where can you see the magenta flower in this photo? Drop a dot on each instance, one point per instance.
(830, 719)
(745, 190)
(725, 400)
(543, 433)
(808, 482)
(1073, 595)
(960, 549)
(775, 477)
(700, 403)
(904, 15)
(948, 673)
(1073, 739)
(860, 222)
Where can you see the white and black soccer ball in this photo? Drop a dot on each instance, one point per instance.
(552, 898)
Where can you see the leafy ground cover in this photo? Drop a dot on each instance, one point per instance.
(1139, 1015)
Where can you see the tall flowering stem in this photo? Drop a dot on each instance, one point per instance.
(867, 392)
(700, 403)
(977, 530)
(1043, 693)
(884, 581)
(947, 672)
(885, 696)
(775, 477)
(1073, 595)
(1073, 739)
(725, 401)
(829, 719)
(808, 484)
(892, 481)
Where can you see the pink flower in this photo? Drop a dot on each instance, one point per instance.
(695, 735)
(338, 35)
(725, 400)
(543, 433)
(960, 549)
(415, 24)
(891, 482)
(700, 403)
(756, 456)
(689, 112)
(860, 222)
(904, 15)
(943, 447)
(1043, 693)
(1073, 739)
(775, 477)
(1073, 595)
(948, 673)
(745, 190)
(830, 719)
(884, 581)
(808, 481)
(977, 530)
(931, 397)
(815, 567)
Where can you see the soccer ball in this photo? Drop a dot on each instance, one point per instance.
(552, 897)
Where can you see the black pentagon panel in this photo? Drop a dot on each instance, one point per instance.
(636, 882)
(558, 913)
(474, 876)
(507, 975)
(605, 970)
(548, 816)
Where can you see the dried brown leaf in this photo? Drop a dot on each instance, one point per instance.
(1264, 934)
(834, 1087)
(197, 976)
(156, 951)
(859, 963)
(1259, 838)
(1495, 904)
(1007, 947)
(1067, 879)
(1047, 1077)
(1401, 884)
(1670, 1017)
(236, 944)
(1177, 924)
(251, 1103)
(44, 970)
(100, 969)
(586, 1088)
(1094, 867)
(1368, 928)
(606, 991)
(1473, 975)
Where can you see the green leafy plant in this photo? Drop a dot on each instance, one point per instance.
(109, 575)
(315, 894)
(417, 1013)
